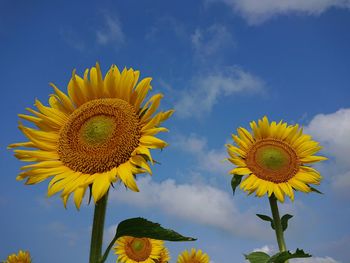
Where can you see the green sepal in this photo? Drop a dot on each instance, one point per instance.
(257, 257)
(235, 181)
(141, 227)
(90, 193)
(315, 190)
(267, 218)
(281, 257)
(284, 221)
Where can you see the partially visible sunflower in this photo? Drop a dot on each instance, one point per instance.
(164, 256)
(195, 256)
(21, 257)
(97, 134)
(138, 250)
(275, 158)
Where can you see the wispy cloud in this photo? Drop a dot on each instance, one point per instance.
(198, 147)
(258, 11)
(314, 260)
(110, 32)
(333, 131)
(210, 41)
(72, 38)
(164, 25)
(206, 89)
(186, 201)
(60, 230)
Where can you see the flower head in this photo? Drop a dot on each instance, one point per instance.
(21, 257)
(195, 256)
(275, 159)
(135, 250)
(99, 133)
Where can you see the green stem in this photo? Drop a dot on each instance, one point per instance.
(277, 222)
(97, 230)
(105, 255)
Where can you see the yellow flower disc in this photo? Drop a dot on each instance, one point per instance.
(98, 133)
(274, 159)
(134, 250)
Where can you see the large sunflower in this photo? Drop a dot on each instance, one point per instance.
(138, 250)
(275, 159)
(97, 134)
(195, 256)
(21, 257)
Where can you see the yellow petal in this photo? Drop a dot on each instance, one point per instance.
(100, 186)
(240, 171)
(78, 196)
(141, 162)
(152, 142)
(313, 159)
(125, 174)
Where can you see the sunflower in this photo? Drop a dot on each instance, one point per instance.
(275, 158)
(193, 257)
(164, 256)
(21, 257)
(97, 134)
(134, 249)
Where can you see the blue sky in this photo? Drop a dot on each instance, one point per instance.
(220, 64)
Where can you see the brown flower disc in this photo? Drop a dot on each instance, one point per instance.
(101, 134)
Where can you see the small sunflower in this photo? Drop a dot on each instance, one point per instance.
(195, 256)
(97, 134)
(21, 257)
(164, 256)
(135, 250)
(275, 158)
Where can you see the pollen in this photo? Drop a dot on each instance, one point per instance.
(100, 135)
(139, 249)
(273, 160)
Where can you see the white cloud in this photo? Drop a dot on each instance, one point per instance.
(165, 25)
(202, 204)
(267, 249)
(60, 230)
(210, 41)
(208, 159)
(73, 39)
(314, 260)
(333, 132)
(111, 32)
(258, 11)
(206, 89)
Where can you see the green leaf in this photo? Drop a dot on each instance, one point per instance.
(284, 221)
(257, 257)
(267, 218)
(281, 257)
(236, 180)
(315, 190)
(140, 227)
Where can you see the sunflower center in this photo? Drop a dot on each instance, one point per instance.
(100, 135)
(272, 160)
(139, 249)
(97, 129)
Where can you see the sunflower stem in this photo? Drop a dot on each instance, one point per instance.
(277, 223)
(105, 255)
(97, 229)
